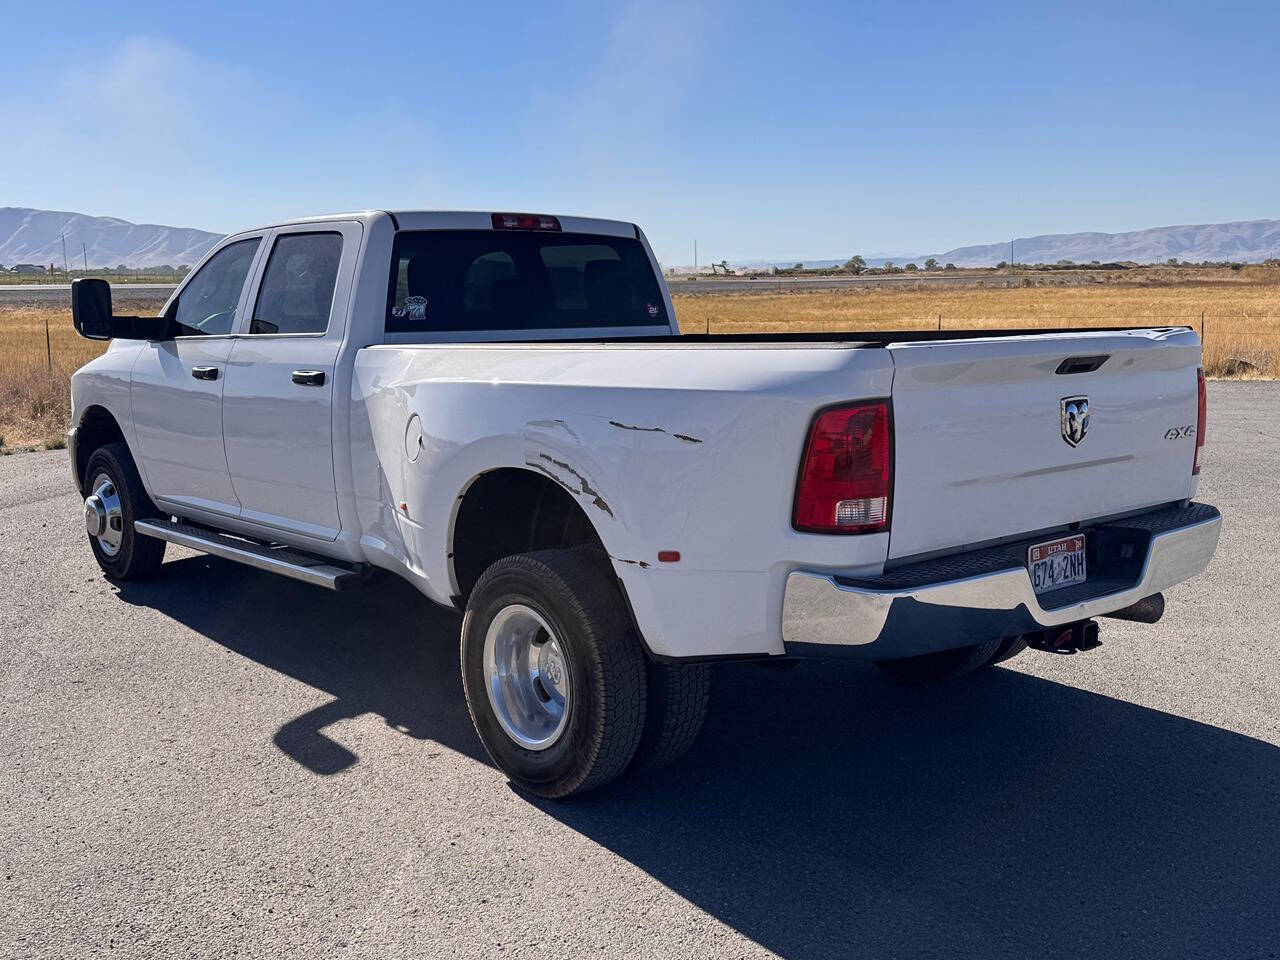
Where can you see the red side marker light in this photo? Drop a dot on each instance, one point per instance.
(668, 556)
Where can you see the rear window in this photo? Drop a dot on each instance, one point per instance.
(467, 280)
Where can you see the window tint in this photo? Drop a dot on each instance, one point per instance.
(297, 287)
(207, 304)
(457, 280)
(482, 276)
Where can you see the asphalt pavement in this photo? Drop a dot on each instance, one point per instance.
(48, 293)
(222, 762)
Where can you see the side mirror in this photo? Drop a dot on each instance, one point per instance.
(91, 314)
(91, 308)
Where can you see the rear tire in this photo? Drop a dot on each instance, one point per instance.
(941, 666)
(1009, 648)
(121, 552)
(676, 706)
(553, 673)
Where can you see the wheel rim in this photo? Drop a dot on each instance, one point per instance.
(103, 514)
(526, 674)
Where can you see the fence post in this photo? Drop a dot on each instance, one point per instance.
(48, 347)
(1202, 328)
(939, 321)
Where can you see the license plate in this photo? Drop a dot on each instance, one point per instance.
(1056, 563)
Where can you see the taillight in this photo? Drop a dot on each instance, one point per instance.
(845, 475)
(524, 221)
(1201, 410)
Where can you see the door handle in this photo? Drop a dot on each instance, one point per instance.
(205, 373)
(309, 378)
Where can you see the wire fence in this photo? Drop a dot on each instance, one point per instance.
(1245, 343)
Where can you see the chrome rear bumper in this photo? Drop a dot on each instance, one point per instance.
(921, 609)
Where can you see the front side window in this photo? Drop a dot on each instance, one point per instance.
(297, 287)
(481, 280)
(207, 304)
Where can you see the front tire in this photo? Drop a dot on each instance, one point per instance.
(553, 673)
(117, 498)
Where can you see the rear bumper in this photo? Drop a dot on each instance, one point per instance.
(941, 604)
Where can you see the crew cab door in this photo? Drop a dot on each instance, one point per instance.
(278, 401)
(176, 393)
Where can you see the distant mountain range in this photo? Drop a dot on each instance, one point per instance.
(34, 236)
(1250, 241)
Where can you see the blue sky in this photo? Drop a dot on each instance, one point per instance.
(763, 130)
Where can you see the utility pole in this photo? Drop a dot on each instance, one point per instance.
(85, 253)
(66, 267)
(1010, 254)
(695, 256)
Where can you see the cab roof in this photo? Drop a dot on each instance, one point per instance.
(459, 220)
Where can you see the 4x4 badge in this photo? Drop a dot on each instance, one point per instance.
(1075, 419)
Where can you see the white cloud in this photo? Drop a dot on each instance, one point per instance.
(620, 110)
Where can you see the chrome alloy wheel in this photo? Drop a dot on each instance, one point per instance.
(527, 676)
(103, 517)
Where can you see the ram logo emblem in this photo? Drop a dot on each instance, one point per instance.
(1075, 419)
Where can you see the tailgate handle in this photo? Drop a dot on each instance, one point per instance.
(1082, 364)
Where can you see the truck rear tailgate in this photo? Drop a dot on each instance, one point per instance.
(983, 450)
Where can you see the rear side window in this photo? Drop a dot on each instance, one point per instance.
(472, 280)
(297, 288)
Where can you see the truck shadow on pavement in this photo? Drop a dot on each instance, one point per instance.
(373, 650)
(825, 812)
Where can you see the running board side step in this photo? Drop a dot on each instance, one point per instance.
(282, 560)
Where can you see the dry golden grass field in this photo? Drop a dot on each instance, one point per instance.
(1240, 315)
(1241, 322)
(35, 400)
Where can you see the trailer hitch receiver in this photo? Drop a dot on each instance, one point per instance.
(1073, 638)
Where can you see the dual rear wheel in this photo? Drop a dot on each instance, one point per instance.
(557, 684)
(950, 664)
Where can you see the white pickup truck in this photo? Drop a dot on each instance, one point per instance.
(499, 408)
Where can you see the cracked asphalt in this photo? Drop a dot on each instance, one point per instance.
(223, 763)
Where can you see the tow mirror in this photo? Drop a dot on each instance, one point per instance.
(91, 314)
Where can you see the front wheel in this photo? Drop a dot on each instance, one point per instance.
(116, 499)
(553, 673)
